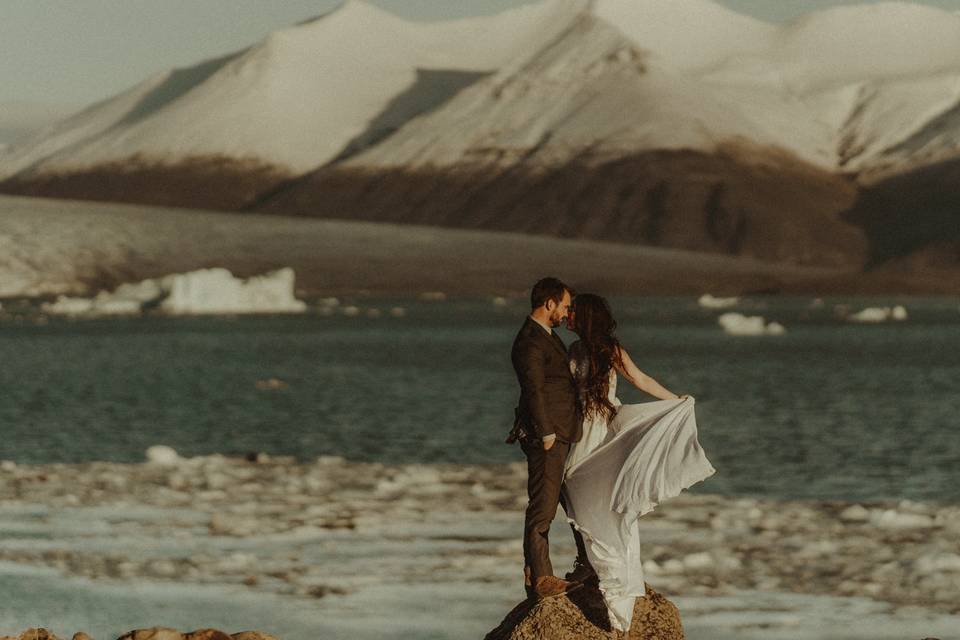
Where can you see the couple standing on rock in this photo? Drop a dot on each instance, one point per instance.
(605, 462)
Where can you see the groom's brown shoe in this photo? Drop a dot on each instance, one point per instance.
(552, 586)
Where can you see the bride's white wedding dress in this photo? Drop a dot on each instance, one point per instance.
(621, 470)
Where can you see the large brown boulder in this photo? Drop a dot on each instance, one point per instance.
(582, 615)
(153, 633)
(37, 634)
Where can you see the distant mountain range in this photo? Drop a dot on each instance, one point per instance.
(832, 140)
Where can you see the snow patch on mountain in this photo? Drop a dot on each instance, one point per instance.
(691, 35)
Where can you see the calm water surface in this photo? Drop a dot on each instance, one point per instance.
(830, 410)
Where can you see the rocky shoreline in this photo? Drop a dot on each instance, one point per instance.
(153, 633)
(281, 526)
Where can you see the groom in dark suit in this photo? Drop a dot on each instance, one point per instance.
(548, 420)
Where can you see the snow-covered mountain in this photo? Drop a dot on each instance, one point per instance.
(661, 114)
(298, 98)
(852, 87)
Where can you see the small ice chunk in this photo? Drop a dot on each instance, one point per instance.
(871, 314)
(708, 301)
(937, 562)
(879, 314)
(737, 324)
(698, 561)
(775, 329)
(672, 566)
(893, 519)
(855, 513)
(270, 384)
(163, 455)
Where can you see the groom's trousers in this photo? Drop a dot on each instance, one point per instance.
(544, 478)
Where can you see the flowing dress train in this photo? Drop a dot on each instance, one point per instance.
(621, 470)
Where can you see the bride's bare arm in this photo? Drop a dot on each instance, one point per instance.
(641, 380)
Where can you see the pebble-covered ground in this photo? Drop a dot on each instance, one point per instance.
(333, 527)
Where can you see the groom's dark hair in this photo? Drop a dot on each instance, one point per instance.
(548, 289)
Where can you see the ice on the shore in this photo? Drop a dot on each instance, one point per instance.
(855, 513)
(708, 301)
(937, 563)
(205, 291)
(163, 455)
(737, 324)
(359, 528)
(879, 314)
(893, 519)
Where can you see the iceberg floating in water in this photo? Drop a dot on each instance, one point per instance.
(737, 324)
(879, 314)
(708, 301)
(217, 291)
(206, 291)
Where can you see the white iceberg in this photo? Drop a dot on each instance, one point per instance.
(879, 314)
(217, 291)
(206, 291)
(737, 324)
(708, 301)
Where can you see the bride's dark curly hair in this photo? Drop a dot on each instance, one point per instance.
(594, 323)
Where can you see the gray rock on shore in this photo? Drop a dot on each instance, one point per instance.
(582, 615)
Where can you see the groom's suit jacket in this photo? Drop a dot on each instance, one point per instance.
(548, 392)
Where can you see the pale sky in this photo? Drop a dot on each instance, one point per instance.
(75, 52)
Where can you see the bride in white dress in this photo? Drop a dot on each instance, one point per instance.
(630, 458)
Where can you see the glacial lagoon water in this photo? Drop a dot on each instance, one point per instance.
(831, 410)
